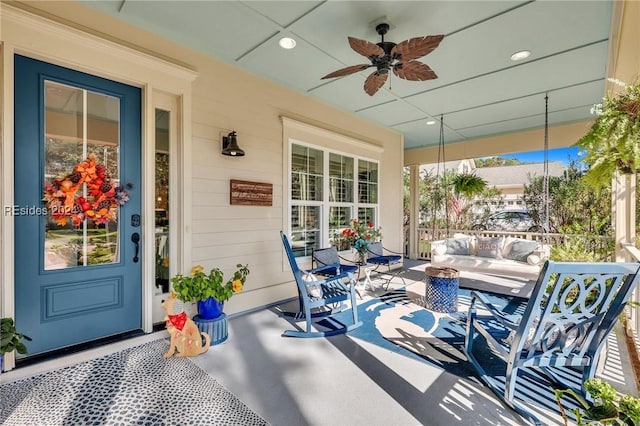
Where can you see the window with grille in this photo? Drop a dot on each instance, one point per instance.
(327, 190)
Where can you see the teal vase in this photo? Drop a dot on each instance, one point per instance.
(210, 308)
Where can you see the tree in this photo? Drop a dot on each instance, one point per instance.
(574, 205)
(426, 195)
(496, 162)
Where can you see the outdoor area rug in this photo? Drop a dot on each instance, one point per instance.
(398, 321)
(134, 386)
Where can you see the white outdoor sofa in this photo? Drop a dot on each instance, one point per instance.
(492, 255)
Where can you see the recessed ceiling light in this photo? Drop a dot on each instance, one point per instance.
(287, 43)
(431, 122)
(518, 56)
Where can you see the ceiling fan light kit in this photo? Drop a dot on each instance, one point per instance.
(386, 56)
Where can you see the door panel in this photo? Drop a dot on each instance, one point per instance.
(75, 275)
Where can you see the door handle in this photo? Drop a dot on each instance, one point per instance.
(135, 238)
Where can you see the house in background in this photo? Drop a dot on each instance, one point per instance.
(510, 180)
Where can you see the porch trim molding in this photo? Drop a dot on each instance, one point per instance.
(290, 123)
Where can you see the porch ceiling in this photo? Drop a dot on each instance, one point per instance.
(479, 90)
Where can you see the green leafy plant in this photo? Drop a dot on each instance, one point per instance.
(200, 286)
(10, 338)
(574, 251)
(613, 141)
(607, 407)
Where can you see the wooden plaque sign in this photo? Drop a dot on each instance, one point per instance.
(247, 193)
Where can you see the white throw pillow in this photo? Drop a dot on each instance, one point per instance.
(440, 250)
(313, 290)
(489, 247)
(460, 246)
(533, 259)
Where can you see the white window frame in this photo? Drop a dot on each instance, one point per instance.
(325, 204)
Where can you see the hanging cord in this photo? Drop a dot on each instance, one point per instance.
(434, 209)
(545, 179)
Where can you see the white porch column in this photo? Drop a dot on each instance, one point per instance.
(414, 208)
(623, 216)
(623, 213)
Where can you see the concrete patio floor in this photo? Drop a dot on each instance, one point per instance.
(342, 380)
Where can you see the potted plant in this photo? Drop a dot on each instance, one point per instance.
(208, 290)
(613, 141)
(10, 339)
(607, 406)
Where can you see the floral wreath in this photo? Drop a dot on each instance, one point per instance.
(100, 203)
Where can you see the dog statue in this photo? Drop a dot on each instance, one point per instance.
(186, 337)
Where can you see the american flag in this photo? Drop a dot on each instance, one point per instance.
(455, 205)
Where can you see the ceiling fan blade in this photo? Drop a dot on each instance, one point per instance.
(365, 48)
(374, 82)
(414, 70)
(416, 47)
(348, 70)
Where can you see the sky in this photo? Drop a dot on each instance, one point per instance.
(566, 155)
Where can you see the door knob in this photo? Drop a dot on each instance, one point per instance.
(135, 238)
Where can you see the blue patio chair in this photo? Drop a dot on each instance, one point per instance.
(572, 309)
(320, 300)
(327, 262)
(380, 256)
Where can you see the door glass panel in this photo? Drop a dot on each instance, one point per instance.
(162, 201)
(82, 223)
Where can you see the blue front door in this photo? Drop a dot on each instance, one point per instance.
(77, 159)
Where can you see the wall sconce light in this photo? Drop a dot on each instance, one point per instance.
(230, 146)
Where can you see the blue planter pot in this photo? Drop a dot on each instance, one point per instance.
(210, 308)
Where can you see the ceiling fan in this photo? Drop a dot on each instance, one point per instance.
(387, 55)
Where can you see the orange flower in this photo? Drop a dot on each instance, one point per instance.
(196, 269)
(236, 286)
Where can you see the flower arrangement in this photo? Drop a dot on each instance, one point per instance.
(613, 141)
(200, 286)
(99, 202)
(359, 235)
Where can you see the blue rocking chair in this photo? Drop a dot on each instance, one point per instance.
(565, 323)
(380, 256)
(324, 297)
